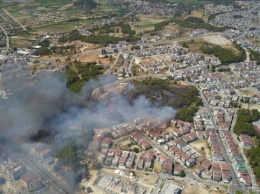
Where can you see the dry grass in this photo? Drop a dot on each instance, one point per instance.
(90, 183)
(157, 167)
(247, 92)
(195, 188)
(147, 180)
(197, 145)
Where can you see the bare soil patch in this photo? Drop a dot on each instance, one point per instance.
(157, 167)
(195, 188)
(197, 145)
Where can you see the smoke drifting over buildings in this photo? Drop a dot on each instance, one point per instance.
(47, 103)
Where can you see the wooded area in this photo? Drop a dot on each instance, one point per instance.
(197, 23)
(100, 39)
(165, 93)
(244, 125)
(80, 73)
(226, 56)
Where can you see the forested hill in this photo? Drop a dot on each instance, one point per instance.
(85, 4)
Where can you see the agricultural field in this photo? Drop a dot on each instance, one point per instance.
(146, 22)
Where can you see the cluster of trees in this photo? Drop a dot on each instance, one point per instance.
(42, 51)
(166, 93)
(254, 161)
(213, 16)
(80, 73)
(45, 43)
(96, 39)
(197, 23)
(70, 49)
(255, 56)
(69, 156)
(161, 25)
(244, 125)
(226, 56)
(108, 28)
(86, 5)
(156, 1)
(71, 152)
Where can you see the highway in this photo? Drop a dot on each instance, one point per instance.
(6, 38)
(56, 185)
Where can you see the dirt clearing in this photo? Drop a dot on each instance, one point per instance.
(218, 40)
(201, 146)
(197, 188)
(157, 167)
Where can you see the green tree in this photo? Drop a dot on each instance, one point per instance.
(98, 166)
(182, 174)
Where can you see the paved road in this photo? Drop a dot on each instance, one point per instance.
(6, 38)
(53, 182)
(236, 185)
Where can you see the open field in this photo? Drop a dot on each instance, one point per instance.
(147, 22)
(170, 129)
(198, 14)
(197, 145)
(124, 142)
(216, 39)
(20, 43)
(146, 180)
(196, 188)
(57, 28)
(93, 57)
(157, 167)
(252, 106)
(194, 45)
(254, 41)
(51, 2)
(247, 92)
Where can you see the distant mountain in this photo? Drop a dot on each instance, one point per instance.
(86, 5)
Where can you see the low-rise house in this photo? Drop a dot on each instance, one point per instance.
(106, 142)
(130, 161)
(246, 141)
(199, 160)
(32, 181)
(115, 161)
(45, 153)
(190, 162)
(177, 170)
(199, 169)
(167, 167)
(217, 176)
(161, 158)
(145, 145)
(206, 174)
(140, 164)
(122, 161)
(17, 171)
(206, 163)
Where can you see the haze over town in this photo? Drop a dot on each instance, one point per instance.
(127, 96)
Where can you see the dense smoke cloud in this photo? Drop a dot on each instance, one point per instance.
(48, 103)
